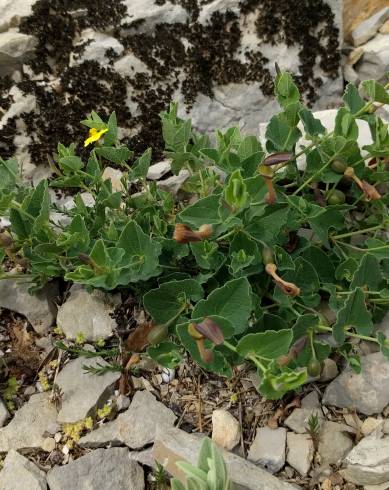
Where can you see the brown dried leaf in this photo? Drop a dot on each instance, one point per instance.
(137, 340)
(23, 345)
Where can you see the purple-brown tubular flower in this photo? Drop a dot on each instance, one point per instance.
(207, 329)
(210, 330)
(184, 234)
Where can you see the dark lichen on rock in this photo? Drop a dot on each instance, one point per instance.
(191, 58)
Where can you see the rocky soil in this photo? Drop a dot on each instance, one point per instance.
(65, 427)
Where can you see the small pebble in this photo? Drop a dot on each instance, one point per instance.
(30, 390)
(48, 444)
(57, 437)
(168, 375)
(369, 425)
(122, 402)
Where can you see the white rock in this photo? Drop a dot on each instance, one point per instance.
(380, 486)
(225, 429)
(122, 402)
(102, 469)
(158, 170)
(21, 103)
(370, 424)
(334, 443)
(99, 43)
(48, 444)
(350, 75)
(19, 473)
(38, 308)
(15, 48)
(368, 462)
(367, 392)
(167, 375)
(219, 6)
(87, 313)
(384, 29)
(114, 175)
(368, 28)
(144, 457)
(268, 448)
(4, 414)
(300, 452)
(173, 183)
(311, 400)
(82, 391)
(152, 14)
(87, 199)
(374, 63)
(11, 12)
(329, 370)
(26, 429)
(129, 65)
(135, 427)
(298, 419)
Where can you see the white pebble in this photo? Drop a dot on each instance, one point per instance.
(168, 375)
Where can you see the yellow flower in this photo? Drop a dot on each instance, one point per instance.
(94, 135)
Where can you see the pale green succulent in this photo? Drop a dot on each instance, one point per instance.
(209, 474)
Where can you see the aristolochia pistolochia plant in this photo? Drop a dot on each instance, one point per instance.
(268, 256)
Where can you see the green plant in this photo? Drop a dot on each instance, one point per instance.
(313, 429)
(159, 478)
(10, 391)
(209, 474)
(248, 269)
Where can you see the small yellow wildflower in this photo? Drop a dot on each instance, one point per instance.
(100, 342)
(43, 381)
(234, 398)
(104, 412)
(58, 330)
(80, 338)
(94, 135)
(88, 423)
(54, 364)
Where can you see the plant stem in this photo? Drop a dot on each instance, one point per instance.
(344, 293)
(251, 357)
(226, 235)
(349, 334)
(358, 232)
(358, 249)
(308, 181)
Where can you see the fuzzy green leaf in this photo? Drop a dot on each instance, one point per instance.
(312, 125)
(274, 386)
(115, 155)
(285, 89)
(204, 211)
(231, 301)
(353, 314)
(280, 136)
(167, 354)
(376, 91)
(367, 274)
(139, 246)
(352, 99)
(170, 298)
(270, 344)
